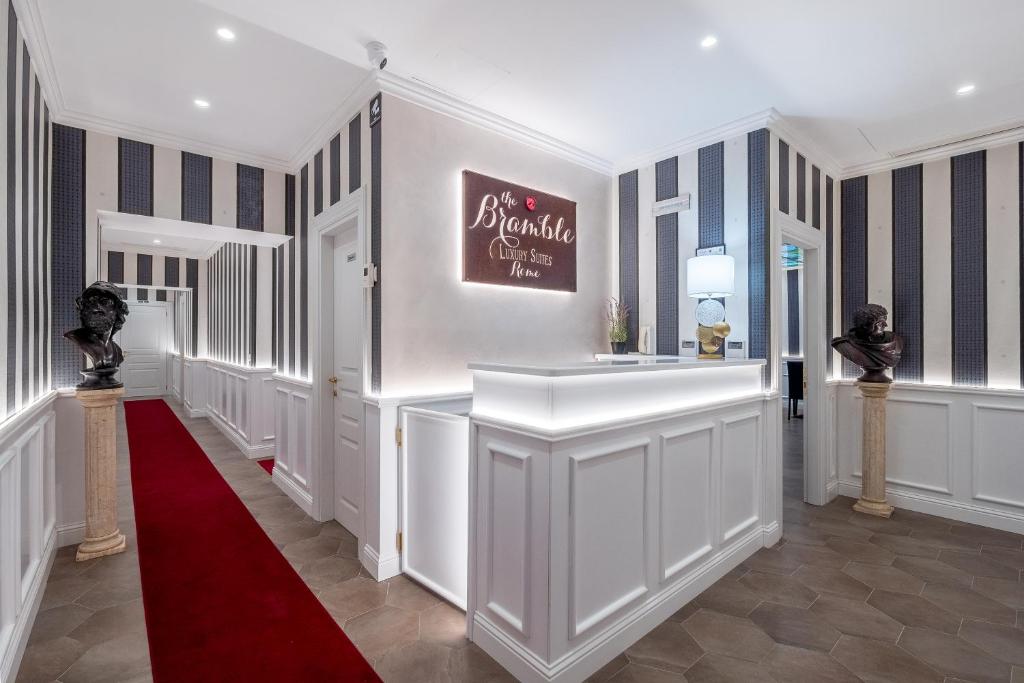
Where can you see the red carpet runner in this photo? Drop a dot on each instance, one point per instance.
(222, 603)
(267, 464)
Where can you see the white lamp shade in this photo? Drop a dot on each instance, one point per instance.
(710, 277)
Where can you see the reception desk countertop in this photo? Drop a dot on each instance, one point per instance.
(606, 365)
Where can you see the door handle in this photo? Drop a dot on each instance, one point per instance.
(332, 379)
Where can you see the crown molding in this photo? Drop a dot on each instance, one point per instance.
(31, 24)
(942, 151)
(424, 96)
(742, 126)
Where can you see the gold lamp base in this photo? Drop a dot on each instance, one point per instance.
(711, 340)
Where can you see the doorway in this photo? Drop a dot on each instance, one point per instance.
(345, 379)
(800, 347)
(791, 340)
(145, 339)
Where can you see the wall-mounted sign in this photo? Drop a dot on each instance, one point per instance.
(375, 110)
(516, 236)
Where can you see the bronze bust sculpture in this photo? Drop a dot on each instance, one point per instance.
(869, 346)
(102, 312)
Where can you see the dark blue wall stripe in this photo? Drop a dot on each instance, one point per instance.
(318, 183)
(908, 269)
(115, 268)
(249, 197)
(759, 241)
(172, 276)
(304, 271)
(1020, 199)
(783, 177)
(666, 181)
(144, 274)
(816, 197)
(793, 310)
(355, 132)
(192, 281)
(629, 252)
(854, 253)
(376, 373)
(970, 334)
(26, 267)
(289, 229)
(801, 188)
(12, 202)
(196, 188)
(335, 174)
(47, 250)
(134, 177)
(67, 265)
(711, 195)
(829, 268)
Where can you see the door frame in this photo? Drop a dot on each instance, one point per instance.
(812, 320)
(333, 221)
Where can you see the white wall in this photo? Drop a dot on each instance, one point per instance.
(433, 324)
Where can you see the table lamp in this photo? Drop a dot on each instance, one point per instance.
(710, 277)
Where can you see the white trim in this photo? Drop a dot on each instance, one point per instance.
(301, 498)
(70, 534)
(251, 452)
(27, 414)
(379, 568)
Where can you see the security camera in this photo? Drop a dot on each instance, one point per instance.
(377, 53)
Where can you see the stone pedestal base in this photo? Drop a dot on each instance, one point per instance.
(102, 535)
(872, 493)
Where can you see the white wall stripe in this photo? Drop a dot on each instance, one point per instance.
(688, 240)
(880, 240)
(937, 291)
(225, 193)
(646, 249)
(100, 192)
(166, 184)
(736, 236)
(1003, 265)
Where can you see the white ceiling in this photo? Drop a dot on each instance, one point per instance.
(141, 63)
(165, 236)
(866, 80)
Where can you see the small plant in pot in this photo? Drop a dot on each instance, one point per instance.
(618, 325)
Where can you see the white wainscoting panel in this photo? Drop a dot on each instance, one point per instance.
(236, 403)
(27, 524)
(289, 416)
(741, 473)
(685, 523)
(196, 388)
(607, 510)
(950, 451)
(998, 445)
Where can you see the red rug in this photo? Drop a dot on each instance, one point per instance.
(222, 603)
(267, 464)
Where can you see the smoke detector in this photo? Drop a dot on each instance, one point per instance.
(377, 53)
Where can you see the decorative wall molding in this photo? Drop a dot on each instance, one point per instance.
(236, 403)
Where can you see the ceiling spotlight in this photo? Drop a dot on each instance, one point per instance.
(709, 42)
(226, 34)
(202, 104)
(156, 241)
(965, 89)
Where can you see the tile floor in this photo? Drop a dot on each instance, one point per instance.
(842, 597)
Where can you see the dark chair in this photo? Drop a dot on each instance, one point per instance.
(795, 374)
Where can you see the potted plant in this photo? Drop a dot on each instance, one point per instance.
(618, 325)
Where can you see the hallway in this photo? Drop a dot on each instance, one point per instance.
(842, 597)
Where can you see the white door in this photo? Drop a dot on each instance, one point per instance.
(144, 340)
(347, 387)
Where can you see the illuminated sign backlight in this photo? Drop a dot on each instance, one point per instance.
(517, 236)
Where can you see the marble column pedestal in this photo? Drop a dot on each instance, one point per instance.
(872, 494)
(102, 535)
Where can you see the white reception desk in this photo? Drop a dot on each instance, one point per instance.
(604, 496)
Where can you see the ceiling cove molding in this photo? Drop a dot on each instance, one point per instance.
(761, 119)
(938, 152)
(31, 24)
(420, 94)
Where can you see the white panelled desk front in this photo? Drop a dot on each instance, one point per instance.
(606, 495)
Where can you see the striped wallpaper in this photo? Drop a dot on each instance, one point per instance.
(25, 339)
(939, 244)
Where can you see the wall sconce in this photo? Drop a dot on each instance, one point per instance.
(710, 276)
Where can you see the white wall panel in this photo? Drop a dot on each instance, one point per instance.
(508, 531)
(688, 461)
(741, 453)
(998, 435)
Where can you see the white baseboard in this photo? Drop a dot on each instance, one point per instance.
(942, 507)
(299, 495)
(380, 568)
(193, 413)
(11, 659)
(70, 534)
(608, 644)
(251, 452)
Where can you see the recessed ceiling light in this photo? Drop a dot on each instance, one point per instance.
(225, 34)
(965, 89)
(202, 104)
(708, 42)
(156, 241)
